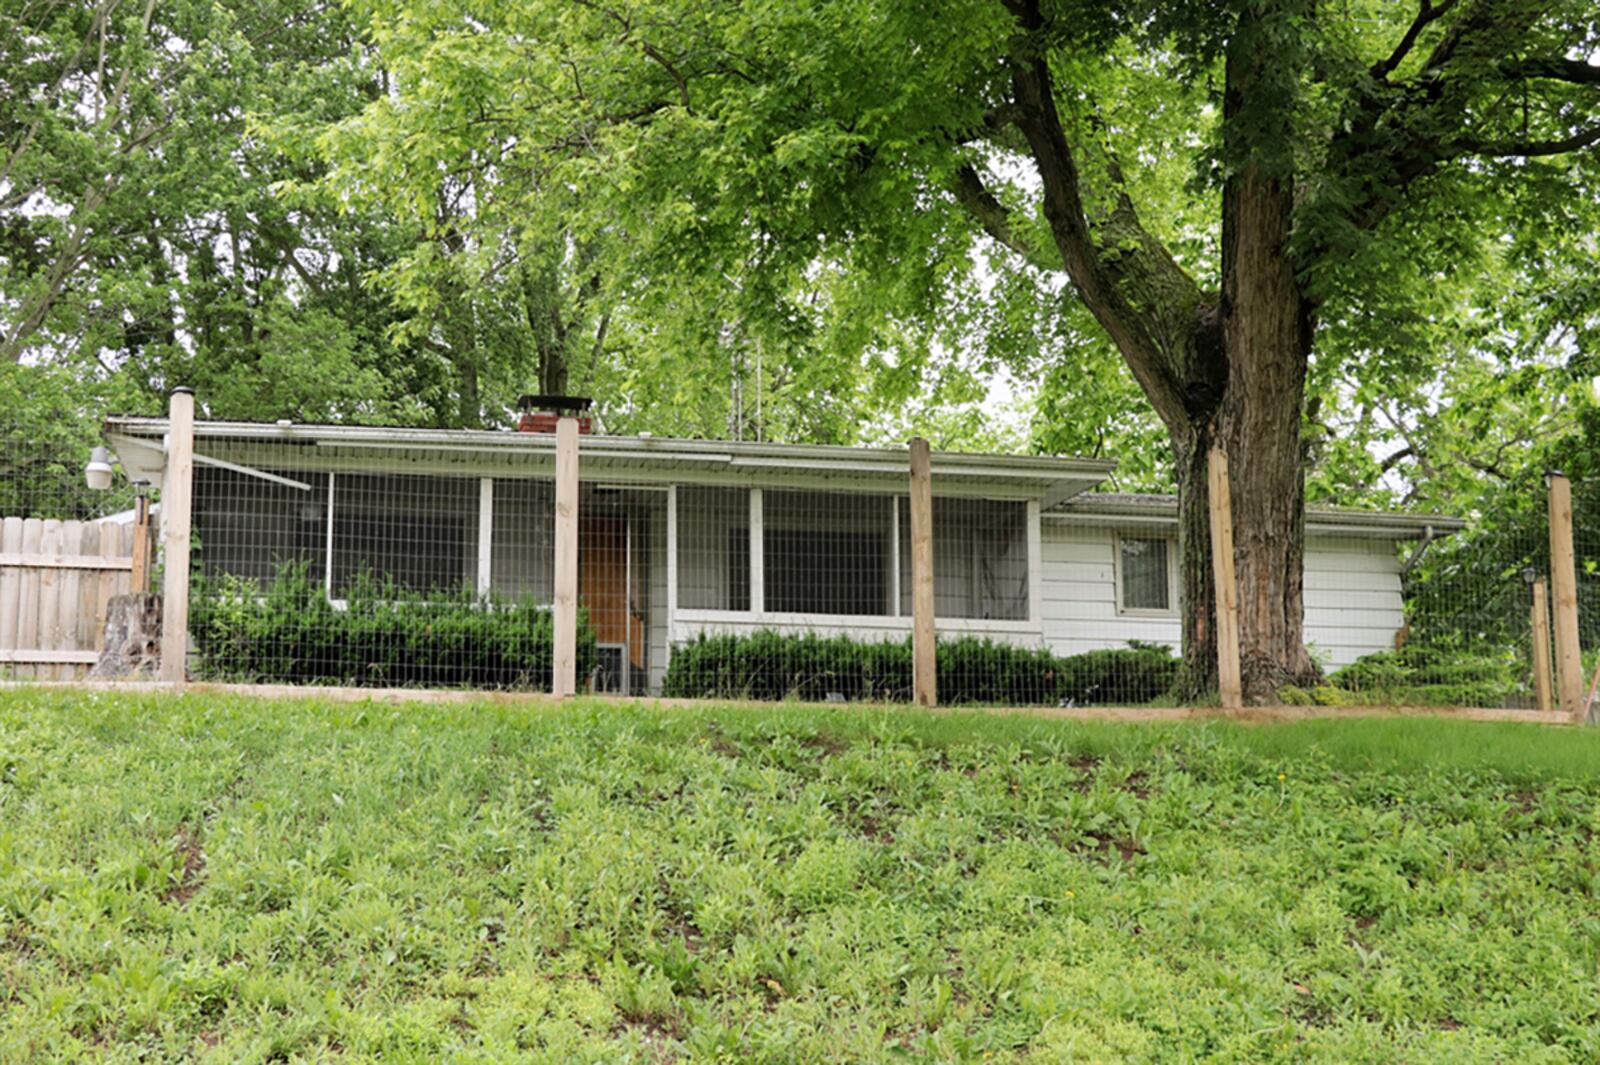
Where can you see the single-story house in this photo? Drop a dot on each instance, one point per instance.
(681, 537)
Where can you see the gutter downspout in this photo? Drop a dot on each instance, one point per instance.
(1416, 556)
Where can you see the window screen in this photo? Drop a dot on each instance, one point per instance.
(826, 552)
(419, 531)
(1146, 584)
(249, 527)
(980, 558)
(714, 548)
(523, 550)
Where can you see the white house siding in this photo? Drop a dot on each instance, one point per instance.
(1352, 589)
(1353, 602)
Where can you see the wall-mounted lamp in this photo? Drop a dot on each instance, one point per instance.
(98, 473)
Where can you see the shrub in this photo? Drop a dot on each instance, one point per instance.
(1427, 674)
(768, 665)
(288, 632)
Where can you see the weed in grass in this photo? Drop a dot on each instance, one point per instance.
(247, 880)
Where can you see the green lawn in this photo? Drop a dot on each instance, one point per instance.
(256, 880)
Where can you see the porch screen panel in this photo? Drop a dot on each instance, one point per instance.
(418, 531)
(826, 553)
(713, 548)
(523, 557)
(980, 558)
(249, 527)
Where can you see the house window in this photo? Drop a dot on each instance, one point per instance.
(825, 553)
(1145, 575)
(714, 548)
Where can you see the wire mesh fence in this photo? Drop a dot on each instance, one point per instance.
(396, 558)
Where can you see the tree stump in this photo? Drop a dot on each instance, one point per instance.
(133, 638)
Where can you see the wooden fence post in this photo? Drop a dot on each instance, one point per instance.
(140, 584)
(924, 657)
(564, 653)
(177, 496)
(1541, 644)
(1564, 586)
(1227, 587)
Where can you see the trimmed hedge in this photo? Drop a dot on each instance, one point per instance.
(288, 632)
(768, 665)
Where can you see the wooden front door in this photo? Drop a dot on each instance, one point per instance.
(603, 575)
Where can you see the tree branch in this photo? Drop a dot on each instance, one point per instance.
(1427, 14)
(1156, 326)
(993, 216)
(1572, 71)
(1529, 149)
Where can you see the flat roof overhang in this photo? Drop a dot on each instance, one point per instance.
(1161, 513)
(139, 443)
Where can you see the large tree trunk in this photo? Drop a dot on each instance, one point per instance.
(1224, 370)
(1267, 331)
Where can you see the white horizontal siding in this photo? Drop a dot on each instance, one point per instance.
(1080, 595)
(1352, 595)
(1353, 601)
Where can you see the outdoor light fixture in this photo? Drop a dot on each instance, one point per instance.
(98, 473)
(1529, 575)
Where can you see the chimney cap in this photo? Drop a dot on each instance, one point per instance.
(559, 404)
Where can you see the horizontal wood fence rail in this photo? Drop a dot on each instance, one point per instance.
(56, 580)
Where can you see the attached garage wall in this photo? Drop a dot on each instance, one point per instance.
(1352, 588)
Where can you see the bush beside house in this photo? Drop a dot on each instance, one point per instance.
(288, 632)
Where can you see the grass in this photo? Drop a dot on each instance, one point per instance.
(249, 880)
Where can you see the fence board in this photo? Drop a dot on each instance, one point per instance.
(10, 582)
(90, 628)
(50, 545)
(28, 612)
(115, 542)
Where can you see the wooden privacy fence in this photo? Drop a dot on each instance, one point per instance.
(56, 579)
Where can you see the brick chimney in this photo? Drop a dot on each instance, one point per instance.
(540, 413)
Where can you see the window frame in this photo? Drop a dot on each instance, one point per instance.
(1171, 542)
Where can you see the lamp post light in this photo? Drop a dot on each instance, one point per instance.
(98, 473)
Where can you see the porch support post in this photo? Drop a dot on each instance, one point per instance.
(564, 657)
(177, 498)
(1564, 585)
(758, 554)
(485, 536)
(672, 570)
(924, 661)
(894, 556)
(1035, 565)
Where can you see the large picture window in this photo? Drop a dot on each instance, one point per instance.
(1144, 575)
